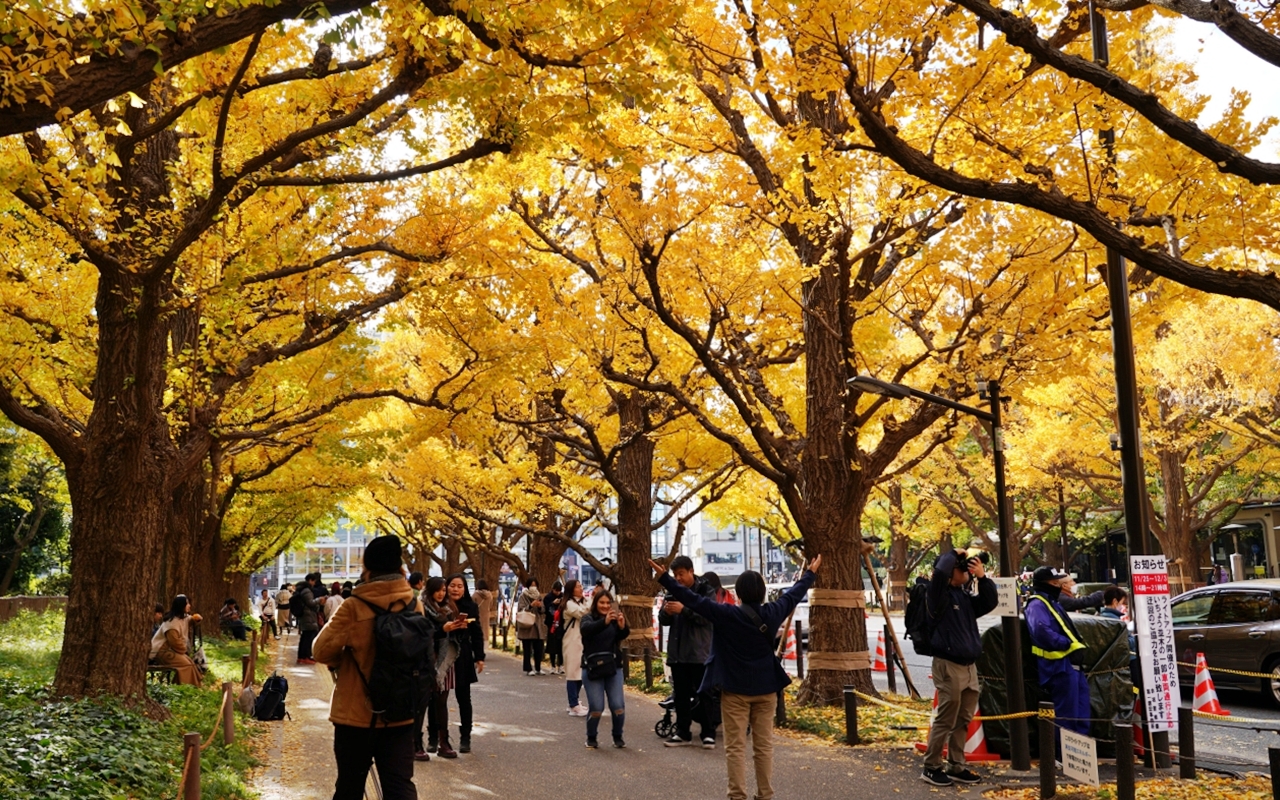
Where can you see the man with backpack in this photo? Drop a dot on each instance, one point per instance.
(381, 647)
(951, 632)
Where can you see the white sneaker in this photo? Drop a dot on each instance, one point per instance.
(581, 711)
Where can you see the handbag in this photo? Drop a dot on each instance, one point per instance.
(526, 619)
(599, 666)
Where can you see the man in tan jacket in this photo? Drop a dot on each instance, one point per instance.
(347, 643)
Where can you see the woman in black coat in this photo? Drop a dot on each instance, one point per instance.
(469, 662)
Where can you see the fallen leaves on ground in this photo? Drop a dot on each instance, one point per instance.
(1207, 787)
(876, 724)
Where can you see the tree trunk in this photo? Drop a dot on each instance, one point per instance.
(833, 486)
(545, 555)
(633, 580)
(899, 550)
(1178, 538)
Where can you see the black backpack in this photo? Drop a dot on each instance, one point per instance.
(919, 623)
(403, 673)
(270, 704)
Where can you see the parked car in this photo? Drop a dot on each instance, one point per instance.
(1236, 626)
(775, 590)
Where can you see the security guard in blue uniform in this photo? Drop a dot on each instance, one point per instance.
(1058, 650)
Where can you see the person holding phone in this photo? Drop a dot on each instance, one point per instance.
(744, 667)
(603, 631)
(444, 615)
(469, 638)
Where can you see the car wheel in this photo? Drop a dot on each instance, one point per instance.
(1271, 686)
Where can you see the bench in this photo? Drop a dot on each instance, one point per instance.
(161, 674)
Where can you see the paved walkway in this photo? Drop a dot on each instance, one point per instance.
(525, 746)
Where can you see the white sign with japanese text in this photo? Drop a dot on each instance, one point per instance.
(1079, 757)
(1008, 589)
(1153, 623)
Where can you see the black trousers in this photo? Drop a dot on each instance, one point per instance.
(272, 622)
(438, 715)
(532, 654)
(555, 650)
(462, 692)
(685, 680)
(390, 748)
(305, 638)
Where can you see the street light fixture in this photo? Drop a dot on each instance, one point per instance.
(1011, 626)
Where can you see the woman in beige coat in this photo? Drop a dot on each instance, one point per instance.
(169, 644)
(574, 608)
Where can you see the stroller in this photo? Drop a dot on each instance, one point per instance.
(666, 726)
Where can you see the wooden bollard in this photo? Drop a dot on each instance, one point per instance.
(1125, 787)
(799, 650)
(1049, 771)
(850, 717)
(191, 766)
(494, 637)
(1186, 743)
(228, 715)
(504, 637)
(780, 711)
(251, 676)
(244, 670)
(1273, 756)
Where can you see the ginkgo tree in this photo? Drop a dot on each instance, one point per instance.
(250, 207)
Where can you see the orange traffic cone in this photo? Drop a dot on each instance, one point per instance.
(880, 665)
(790, 655)
(975, 741)
(1206, 699)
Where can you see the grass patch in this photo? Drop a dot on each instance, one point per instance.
(99, 749)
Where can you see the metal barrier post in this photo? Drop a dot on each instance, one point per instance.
(1048, 749)
(228, 715)
(1273, 755)
(1186, 743)
(850, 717)
(648, 669)
(1124, 762)
(191, 766)
(799, 650)
(780, 715)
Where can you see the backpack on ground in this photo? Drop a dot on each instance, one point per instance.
(919, 625)
(270, 704)
(403, 673)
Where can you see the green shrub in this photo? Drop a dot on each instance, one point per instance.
(100, 750)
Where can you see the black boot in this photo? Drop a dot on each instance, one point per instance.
(464, 743)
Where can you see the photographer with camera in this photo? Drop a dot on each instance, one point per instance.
(688, 647)
(953, 619)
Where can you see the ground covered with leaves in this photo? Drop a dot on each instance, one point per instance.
(102, 750)
(1207, 787)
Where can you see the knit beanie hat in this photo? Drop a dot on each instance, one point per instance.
(382, 555)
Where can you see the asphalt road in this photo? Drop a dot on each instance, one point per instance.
(1230, 745)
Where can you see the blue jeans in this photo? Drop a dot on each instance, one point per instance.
(597, 690)
(573, 687)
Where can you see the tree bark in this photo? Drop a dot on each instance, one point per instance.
(119, 497)
(632, 577)
(899, 548)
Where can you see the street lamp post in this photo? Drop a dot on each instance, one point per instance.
(1019, 742)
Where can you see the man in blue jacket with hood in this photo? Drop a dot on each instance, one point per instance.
(953, 618)
(745, 668)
